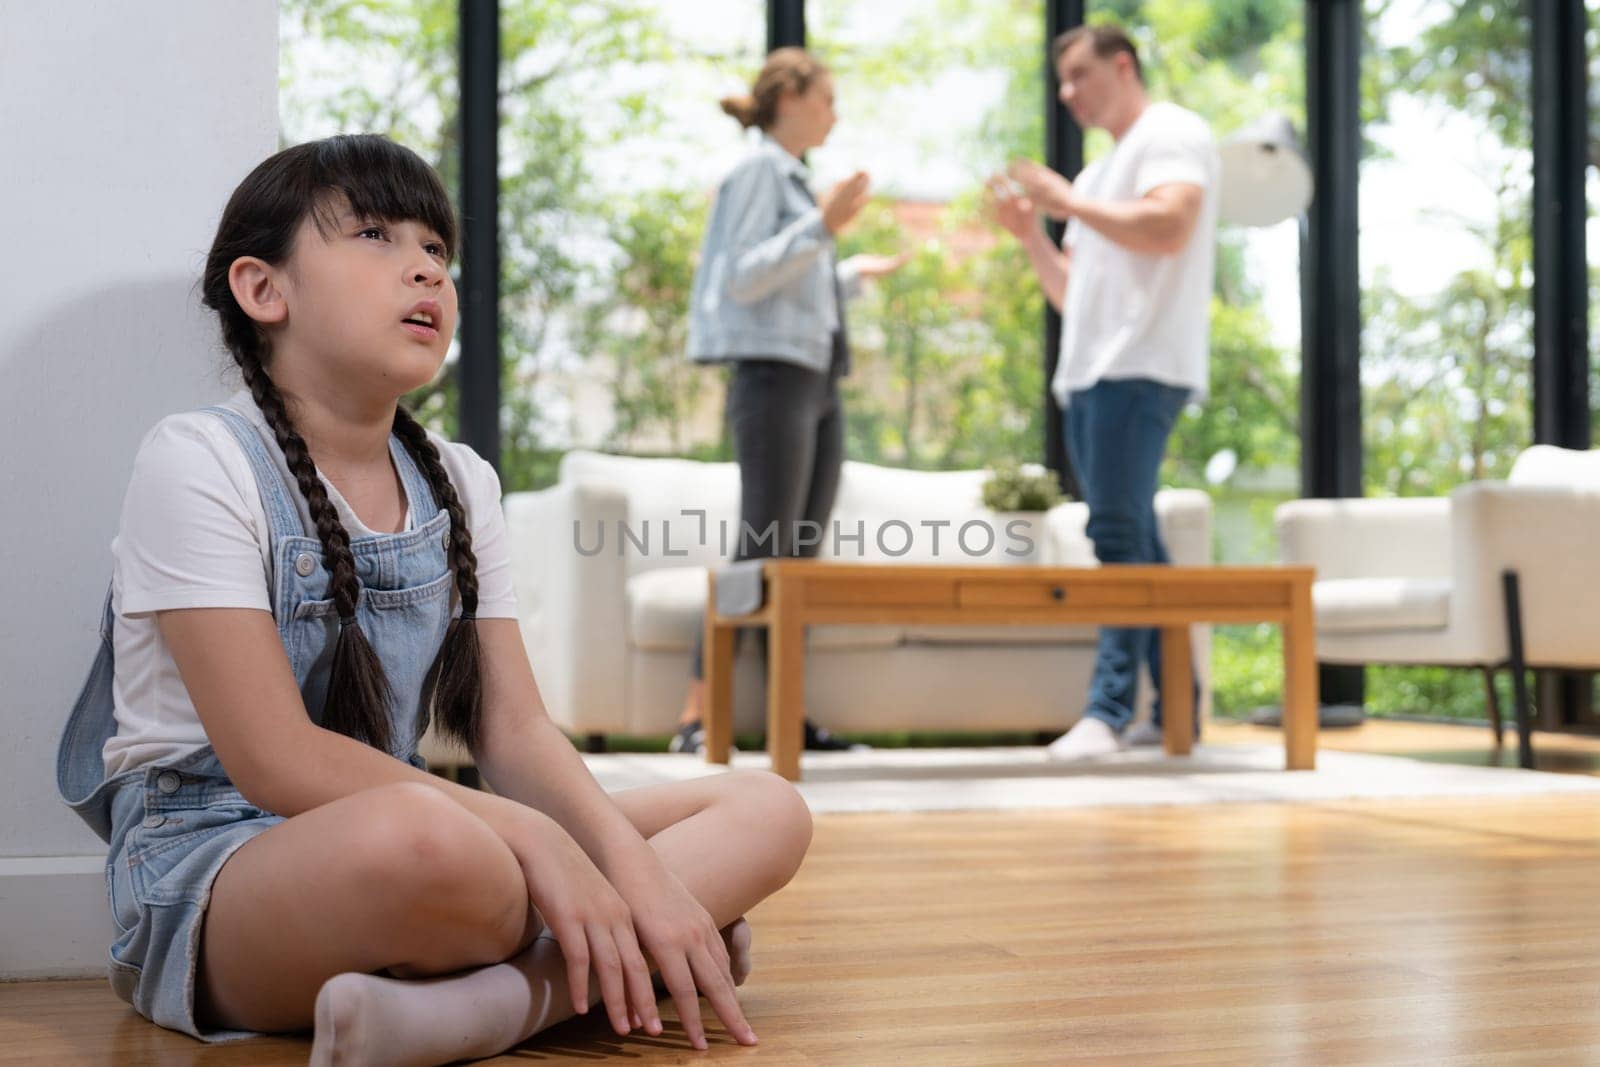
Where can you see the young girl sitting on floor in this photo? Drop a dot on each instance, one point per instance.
(301, 576)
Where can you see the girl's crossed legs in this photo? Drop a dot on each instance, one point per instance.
(403, 879)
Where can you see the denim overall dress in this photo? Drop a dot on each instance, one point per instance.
(171, 826)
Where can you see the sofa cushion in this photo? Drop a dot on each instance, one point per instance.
(666, 608)
(659, 491)
(893, 515)
(1561, 467)
(1361, 605)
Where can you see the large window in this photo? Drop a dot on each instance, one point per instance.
(1446, 245)
(1446, 263)
(657, 145)
(932, 98)
(611, 143)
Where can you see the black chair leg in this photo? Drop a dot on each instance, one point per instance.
(1519, 681)
(1492, 699)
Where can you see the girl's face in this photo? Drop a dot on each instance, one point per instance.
(371, 305)
(811, 113)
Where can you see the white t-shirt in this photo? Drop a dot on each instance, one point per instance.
(1129, 314)
(195, 535)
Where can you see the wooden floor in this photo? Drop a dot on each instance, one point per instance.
(1361, 932)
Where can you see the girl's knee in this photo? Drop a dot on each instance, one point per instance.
(776, 805)
(409, 825)
(445, 868)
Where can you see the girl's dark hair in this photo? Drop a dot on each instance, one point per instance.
(379, 180)
(786, 70)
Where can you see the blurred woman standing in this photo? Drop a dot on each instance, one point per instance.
(769, 297)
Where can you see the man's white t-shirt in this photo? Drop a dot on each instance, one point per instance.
(195, 535)
(1129, 314)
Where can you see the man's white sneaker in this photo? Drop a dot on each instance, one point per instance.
(1089, 738)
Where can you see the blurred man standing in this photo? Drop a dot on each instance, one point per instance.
(1132, 281)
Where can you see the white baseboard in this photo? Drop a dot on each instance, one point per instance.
(54, 916)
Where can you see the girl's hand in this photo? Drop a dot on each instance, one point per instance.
(1048, 190)
(870, 266)
(592, 924)
(688, 951)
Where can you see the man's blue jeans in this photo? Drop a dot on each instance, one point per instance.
(1116, 434)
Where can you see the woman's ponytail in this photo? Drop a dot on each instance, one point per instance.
(786, 70)
(744, 109)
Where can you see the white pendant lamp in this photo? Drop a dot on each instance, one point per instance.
(1265, 177)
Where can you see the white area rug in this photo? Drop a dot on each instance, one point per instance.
(986, 779)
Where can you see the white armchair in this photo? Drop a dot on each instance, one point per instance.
(1494, 575)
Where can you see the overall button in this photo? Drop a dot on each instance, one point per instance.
(153, 821)
(168, 782)
(445, 540)
(304, 564)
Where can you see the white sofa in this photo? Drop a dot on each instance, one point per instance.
(1420, 581)
(609, 632)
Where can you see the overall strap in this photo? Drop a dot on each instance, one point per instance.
(282, 513)
(419, 494)
(80, 770)
(108, 618)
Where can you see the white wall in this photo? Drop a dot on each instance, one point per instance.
(124, 128)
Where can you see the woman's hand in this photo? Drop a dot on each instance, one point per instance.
(1049, 191)
(687, 949)
(591, 922)
(841, 204)
(1014, 212)
(870, 266)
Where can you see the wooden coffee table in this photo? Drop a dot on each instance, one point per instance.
(801, 593)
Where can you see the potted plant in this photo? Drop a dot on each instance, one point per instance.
(1019, 495)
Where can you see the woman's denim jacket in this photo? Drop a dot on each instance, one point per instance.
(765, 286)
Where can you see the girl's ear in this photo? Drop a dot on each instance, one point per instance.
(255, 287)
